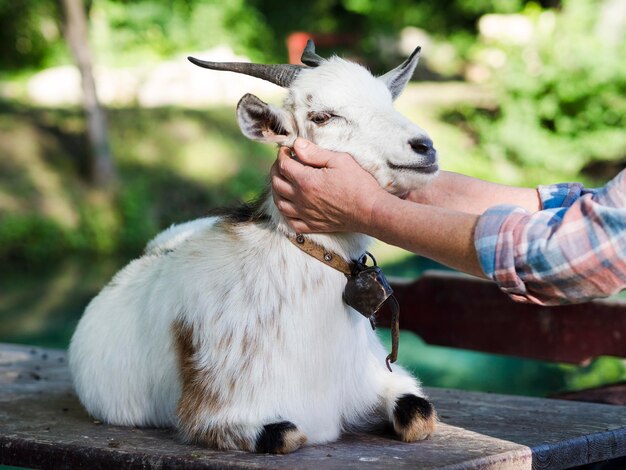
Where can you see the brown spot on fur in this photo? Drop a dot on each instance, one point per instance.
(183, 341)
(198, 396)
(246, 366)
(225, 342)
(232, 437)
(247, 343)
(229, 229)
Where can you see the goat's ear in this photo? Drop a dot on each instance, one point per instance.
(397, 78)
(261, 121)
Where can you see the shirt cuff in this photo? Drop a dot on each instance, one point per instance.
(487, 236)
(559, 195)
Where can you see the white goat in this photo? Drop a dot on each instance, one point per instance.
(229, 332)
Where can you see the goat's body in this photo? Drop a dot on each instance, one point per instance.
(227, 331)
(272, 338)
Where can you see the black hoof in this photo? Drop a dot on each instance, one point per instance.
(279, 438)
(408, 407)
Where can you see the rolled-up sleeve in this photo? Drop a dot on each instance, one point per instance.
(572, 250)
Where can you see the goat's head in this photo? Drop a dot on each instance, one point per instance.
(341, 106)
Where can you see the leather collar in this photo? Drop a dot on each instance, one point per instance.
(320, 253)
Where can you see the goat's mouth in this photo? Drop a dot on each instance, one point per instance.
(426, 169)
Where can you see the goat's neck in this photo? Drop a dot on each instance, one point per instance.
(348, 245)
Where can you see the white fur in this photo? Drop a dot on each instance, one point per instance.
(311, 359)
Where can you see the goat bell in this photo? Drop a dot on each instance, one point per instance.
(367, 289)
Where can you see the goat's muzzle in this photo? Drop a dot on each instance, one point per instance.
(426, 161)
(424, 147)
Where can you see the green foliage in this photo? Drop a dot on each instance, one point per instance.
(561, 98)
(175, 165)
(150, 28)
(126, 32)
(30, 237)
(139, 222)
(29, 35)
(442, 18)
(103, 229)
(601, 371)
(98, 231)
(370, 22)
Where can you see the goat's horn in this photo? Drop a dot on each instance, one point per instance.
(282, 75)
(309, 57)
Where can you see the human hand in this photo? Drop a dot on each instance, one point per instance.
(327, 192)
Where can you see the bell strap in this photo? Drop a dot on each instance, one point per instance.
(395, 330)
(320, 253)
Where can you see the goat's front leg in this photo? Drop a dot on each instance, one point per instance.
(206, 414)
(204, 418)
(413, 417)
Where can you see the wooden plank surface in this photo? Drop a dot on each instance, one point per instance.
(460, 311)
(43, 425)
(613, 394)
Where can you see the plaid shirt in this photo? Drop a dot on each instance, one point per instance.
(573, 250)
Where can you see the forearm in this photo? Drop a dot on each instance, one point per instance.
(441, 234)
(472, 195)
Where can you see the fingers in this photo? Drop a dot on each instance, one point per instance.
(309, 155)
(298, 184)
(283, 193)
(312, 155)
(298, 225)
(280, 186)
(288, 167)
(287, 208)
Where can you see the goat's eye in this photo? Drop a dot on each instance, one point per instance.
(320, 118)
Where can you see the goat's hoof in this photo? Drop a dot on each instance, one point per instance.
(279, 438)
(414, 418)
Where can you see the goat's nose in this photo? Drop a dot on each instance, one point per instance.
(422, 145)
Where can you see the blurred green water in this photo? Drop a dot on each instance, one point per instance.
(42, 305)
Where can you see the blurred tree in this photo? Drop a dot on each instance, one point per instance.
(101, 168)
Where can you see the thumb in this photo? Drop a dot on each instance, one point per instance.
(310, 154)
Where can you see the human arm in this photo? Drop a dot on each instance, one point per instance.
(442, 234)
(572, 250)
(472, 195)
(333, 194)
